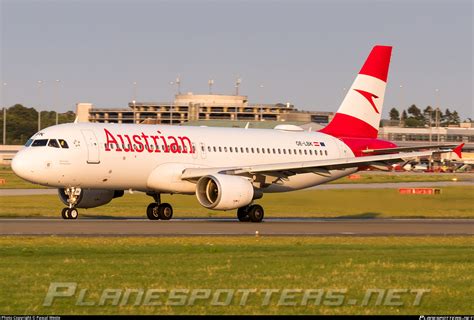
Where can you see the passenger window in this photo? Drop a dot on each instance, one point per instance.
(247, 150)
(325, 152)
(274, 150)
(305, 152)
(40, 143)
(268, 150)
(279, 151)
(215, 150)
(236, 149)
(284, 151)
(321, 152)
(202, 148)
(310, 152)
(225, 149)
(252, 150)
(230, 149)
(258, 150)
(209, 149)
(53, 143)
(263, 150)
(241, 149)
(301, 152)
(220, 149)
(29, 142)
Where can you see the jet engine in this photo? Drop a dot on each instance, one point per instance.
(224, 192)
(91, 198)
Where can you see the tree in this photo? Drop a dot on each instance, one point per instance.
(455, 119)
(394, 114)
(416, 118)
(428, 112)
(22, 122)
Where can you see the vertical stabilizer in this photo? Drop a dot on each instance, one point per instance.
(360, 111)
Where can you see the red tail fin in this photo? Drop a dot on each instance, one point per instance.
(360, 111)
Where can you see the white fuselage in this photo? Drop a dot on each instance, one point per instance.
(152, 157)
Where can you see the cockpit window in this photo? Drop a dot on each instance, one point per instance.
(29, 142)
(40, 143)
(53, 143)
(63, 143)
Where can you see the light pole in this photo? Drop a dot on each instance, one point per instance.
(237, 85)
(210, 83)
(4, 114)
(401, 106)
(134, 114)
(40, 82)
(57, 99)
(178, 84)
(437, 113)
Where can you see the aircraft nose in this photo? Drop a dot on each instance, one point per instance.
(21, 165)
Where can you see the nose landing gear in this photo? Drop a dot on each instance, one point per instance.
(71, 212)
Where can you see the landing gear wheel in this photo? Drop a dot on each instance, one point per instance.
(72, 213)
(152, 211)
(65, 213)
(243, 215)
(165, 211)
(256, 213)
(69, 213)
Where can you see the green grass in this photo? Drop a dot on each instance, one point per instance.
(14, 182)
(445, 266)
(454, 202)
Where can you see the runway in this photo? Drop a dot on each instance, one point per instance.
(231, 227)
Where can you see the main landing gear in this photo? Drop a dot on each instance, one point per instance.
(70, 212)
(252, 213)
(157, 210)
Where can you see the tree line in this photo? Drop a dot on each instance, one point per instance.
(414, 117)
(22, 122)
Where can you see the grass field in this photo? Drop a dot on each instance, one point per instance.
(454, 202)
(445, 266)
(14, 182)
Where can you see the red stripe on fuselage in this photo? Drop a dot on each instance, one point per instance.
(343, 125)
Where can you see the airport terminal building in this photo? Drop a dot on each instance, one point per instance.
(200, 107)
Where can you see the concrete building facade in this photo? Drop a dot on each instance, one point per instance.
(190, 107)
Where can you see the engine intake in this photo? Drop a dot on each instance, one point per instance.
(91, 198)
(224, 192)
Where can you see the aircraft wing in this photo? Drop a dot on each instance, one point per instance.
(321, 167)
(440, 148)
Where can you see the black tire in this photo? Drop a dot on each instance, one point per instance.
(256, 213)
(65, 213)
(73, 213)
(165, 211)
(152, 211)
(243, 215)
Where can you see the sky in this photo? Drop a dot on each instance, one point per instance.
(303, 52)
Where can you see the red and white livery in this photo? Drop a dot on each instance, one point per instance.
(226, 168)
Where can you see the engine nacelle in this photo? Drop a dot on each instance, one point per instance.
(224, 192)
(91, 198)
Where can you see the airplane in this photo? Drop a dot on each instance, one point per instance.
(226, 168)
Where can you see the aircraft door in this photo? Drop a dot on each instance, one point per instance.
(92, 146)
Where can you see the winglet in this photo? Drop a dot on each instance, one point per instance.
(458, 150)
